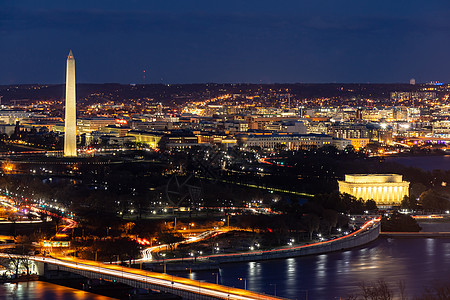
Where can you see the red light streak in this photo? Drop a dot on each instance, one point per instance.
(363, 227)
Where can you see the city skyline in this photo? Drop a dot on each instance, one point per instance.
(224, 149)
(175, 42)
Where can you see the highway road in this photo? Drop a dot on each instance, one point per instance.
(172, 282)
(147, 252)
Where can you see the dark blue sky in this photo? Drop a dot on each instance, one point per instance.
(189, 41)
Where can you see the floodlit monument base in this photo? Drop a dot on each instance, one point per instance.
(385, 189)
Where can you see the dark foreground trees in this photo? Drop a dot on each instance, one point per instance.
(400, 223)
(382, 290)
(433, 201)
(109, 250)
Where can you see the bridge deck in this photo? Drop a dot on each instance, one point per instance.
(141, 278)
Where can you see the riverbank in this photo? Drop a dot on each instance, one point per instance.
(432, 227)
(415, 235)
(368, 232)
(24, 278)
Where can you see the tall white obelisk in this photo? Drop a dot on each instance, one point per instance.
(70, 128)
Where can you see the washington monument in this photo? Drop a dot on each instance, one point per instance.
(70, 125)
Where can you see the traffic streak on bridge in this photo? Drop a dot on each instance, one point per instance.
(146, 277)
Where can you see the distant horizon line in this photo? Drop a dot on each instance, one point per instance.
(230, 83)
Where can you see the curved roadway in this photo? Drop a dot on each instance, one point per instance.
(172, 282)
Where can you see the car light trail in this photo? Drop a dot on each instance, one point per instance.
(428, 217)
(364, 227)
(172, 282)
(147, 253)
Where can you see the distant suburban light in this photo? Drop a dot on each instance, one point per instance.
(121, 121)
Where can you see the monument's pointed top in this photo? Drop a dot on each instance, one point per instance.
(70, 54)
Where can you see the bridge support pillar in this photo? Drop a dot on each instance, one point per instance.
(41, 267)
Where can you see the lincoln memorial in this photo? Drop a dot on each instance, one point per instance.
(384, 189)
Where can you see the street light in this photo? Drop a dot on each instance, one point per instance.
(245, 282)
(217, 277)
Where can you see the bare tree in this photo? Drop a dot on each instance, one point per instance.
(15, 263)
(402, 290)
(378, 291)
(438, 292)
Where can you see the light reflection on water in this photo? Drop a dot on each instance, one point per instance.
(291, 266)
(43, 290)
(415, 262)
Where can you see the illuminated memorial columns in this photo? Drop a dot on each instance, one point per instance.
(384, 189)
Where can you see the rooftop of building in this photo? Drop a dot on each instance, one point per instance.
(373, 178)
(284, 134)
(143, 132)
(96, 119)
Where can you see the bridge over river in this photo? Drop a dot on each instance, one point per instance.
(186, 288)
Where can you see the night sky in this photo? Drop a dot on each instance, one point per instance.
(197, 41)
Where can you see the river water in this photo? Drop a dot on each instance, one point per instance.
(417, 263)
(42, 290)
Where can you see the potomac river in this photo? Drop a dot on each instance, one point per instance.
(417, 262)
